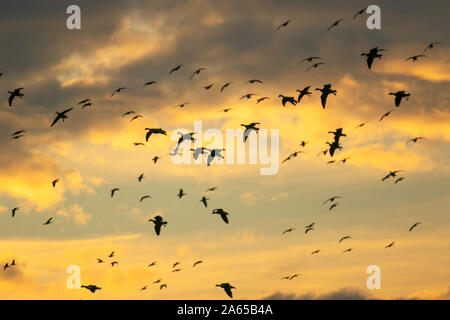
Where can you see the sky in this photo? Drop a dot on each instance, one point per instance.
(128, 43)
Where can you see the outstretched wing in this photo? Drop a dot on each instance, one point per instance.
(55, 121)
(323, 99)
(228, 291)
(157, 228)
(369, 61)
(224, 217)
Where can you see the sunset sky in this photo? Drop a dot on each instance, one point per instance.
(127, 43)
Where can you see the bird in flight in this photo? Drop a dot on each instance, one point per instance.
(431, 46)
(344, 238)
(175, 69)
(13, 211)
(61, 115)
(372, 54)
(225, 110)
(86, 105)
(315, 65)
(149, 83)
(225, 86)
(127, 113)
(136, 117)
(332, 199)
(254, 81)
(15, 93)
(118, 90)
(310, 59)
(227, 287)
(386, 114)
(326, 90)
(413, 226)
(213, 154)
(310, 225)
(315, 251)
(261, 99)
(181, 105)
(157, 281)
(111, 254)
(415, 58)
(16, 137)
(359, 13)
(197, 72)
(285, 99)
(211, 189)
(204, 201)
(288, 230)
(114, 263)
(399, 180)
(175, 264)
(18, 134)
(152, 264)
(162, 286)
(199, 151)
(343, 160)
(209, 86)
(248, 96)
(176, 270)
(100, 260)
(113, 191)
(414, 140)
(333, 147)
(54, 182)
(48, 221)
(284, 24)
(138, 144)
(334, 24)
(144, 288)
(303, 143)
(308, 229)
(290, 277)
(151, 131)
(223, 214)
(84, 101)
(338, 134)
(360, 125)
(303, 92)
(181, 193)
(155, 159)
(390, 245)
(334, 205)
(391, 174)
(159, 222)
(197, 263)
(92, 288)
(186, 137)
(399, 95)
(144, 197)
(249, 128)
(292, 155)
(347, 250)
(141, 176)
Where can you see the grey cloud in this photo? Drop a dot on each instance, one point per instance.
(340, 294)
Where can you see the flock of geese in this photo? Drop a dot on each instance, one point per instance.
(333, 146)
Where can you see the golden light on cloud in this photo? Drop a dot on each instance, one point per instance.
(425, 70)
